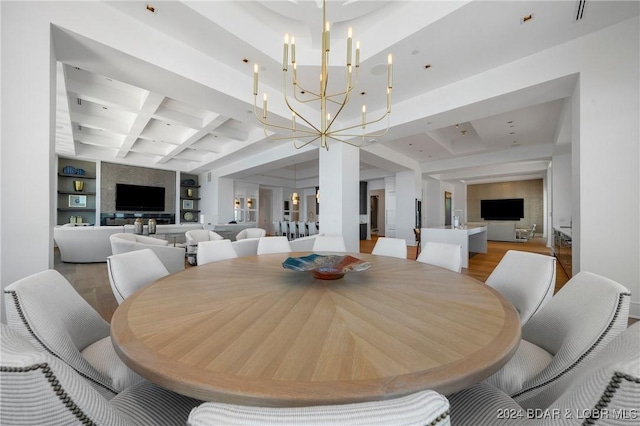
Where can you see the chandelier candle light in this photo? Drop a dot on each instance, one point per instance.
(324, 131)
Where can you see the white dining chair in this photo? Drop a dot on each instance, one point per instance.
(246, 247)
(215, 251)
(38, 388)
(302, 229)
(330, 243)
(586, 314)
(395, 247)
(267, 245)
(419, 408)
(46, 310)
(284, 229)
(443, 255)
(276, 228)
(291, 230)
(133, 270)
(313, 229)
(608, 383)
(526, 279)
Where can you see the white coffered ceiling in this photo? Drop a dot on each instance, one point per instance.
(118, 108)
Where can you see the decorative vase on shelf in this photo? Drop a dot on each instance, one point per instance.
(189, 192)
(152, 226)
(78, 185)
(137, 226)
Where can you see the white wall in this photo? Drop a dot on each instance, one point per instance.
(562, 199)
(609, 178)
(405, 206)
(27, 163)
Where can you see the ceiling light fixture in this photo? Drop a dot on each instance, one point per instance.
(324, 130)
(527, 18)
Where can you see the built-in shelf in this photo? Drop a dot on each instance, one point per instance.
(76, 193)
(66, 191)
(185, 189)
(76, 176)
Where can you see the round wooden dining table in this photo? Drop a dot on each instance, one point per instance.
(247, 331)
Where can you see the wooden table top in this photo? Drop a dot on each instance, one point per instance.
(248, 331)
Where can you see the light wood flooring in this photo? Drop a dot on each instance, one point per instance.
(92, 282)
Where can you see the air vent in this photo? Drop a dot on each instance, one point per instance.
(580, 12)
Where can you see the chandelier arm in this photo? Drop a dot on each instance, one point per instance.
(314, 94)
(283, 138)
(368, 135)
(350, 87)
(344, 102)
(304, 144)
(345, 141)
(386, 114)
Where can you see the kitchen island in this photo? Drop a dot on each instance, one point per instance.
(472, 238)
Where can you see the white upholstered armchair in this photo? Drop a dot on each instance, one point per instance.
(251, 233)
(171, 257)
(526, 279)
(604, 391)
(577, 323)
(36, 388)
(46, 310)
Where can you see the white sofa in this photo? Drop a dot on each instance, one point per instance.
(501, 231)
(84, 244)
(171, 257)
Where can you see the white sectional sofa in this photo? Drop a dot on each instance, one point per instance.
(84, 244)
(88, 244)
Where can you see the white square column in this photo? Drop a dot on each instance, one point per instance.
(339, 186)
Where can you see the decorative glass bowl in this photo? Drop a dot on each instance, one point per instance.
(326, 267)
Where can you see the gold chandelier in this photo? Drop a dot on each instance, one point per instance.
(324, 131)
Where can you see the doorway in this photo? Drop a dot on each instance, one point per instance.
(447, 208)
(264, 209)
(377, 212)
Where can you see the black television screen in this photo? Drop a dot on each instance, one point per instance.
(506, 209)
(139, 198)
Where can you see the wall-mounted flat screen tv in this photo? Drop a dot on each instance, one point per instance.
(505, 209)
(139, 198)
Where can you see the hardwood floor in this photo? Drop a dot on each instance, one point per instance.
(92, 282)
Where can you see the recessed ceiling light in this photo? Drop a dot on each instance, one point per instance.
(509, 122)
(104, 107)
(363, 93)
(151, 8)
(427, 66)
(168, 124)
(526, 18)
(245, 60)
